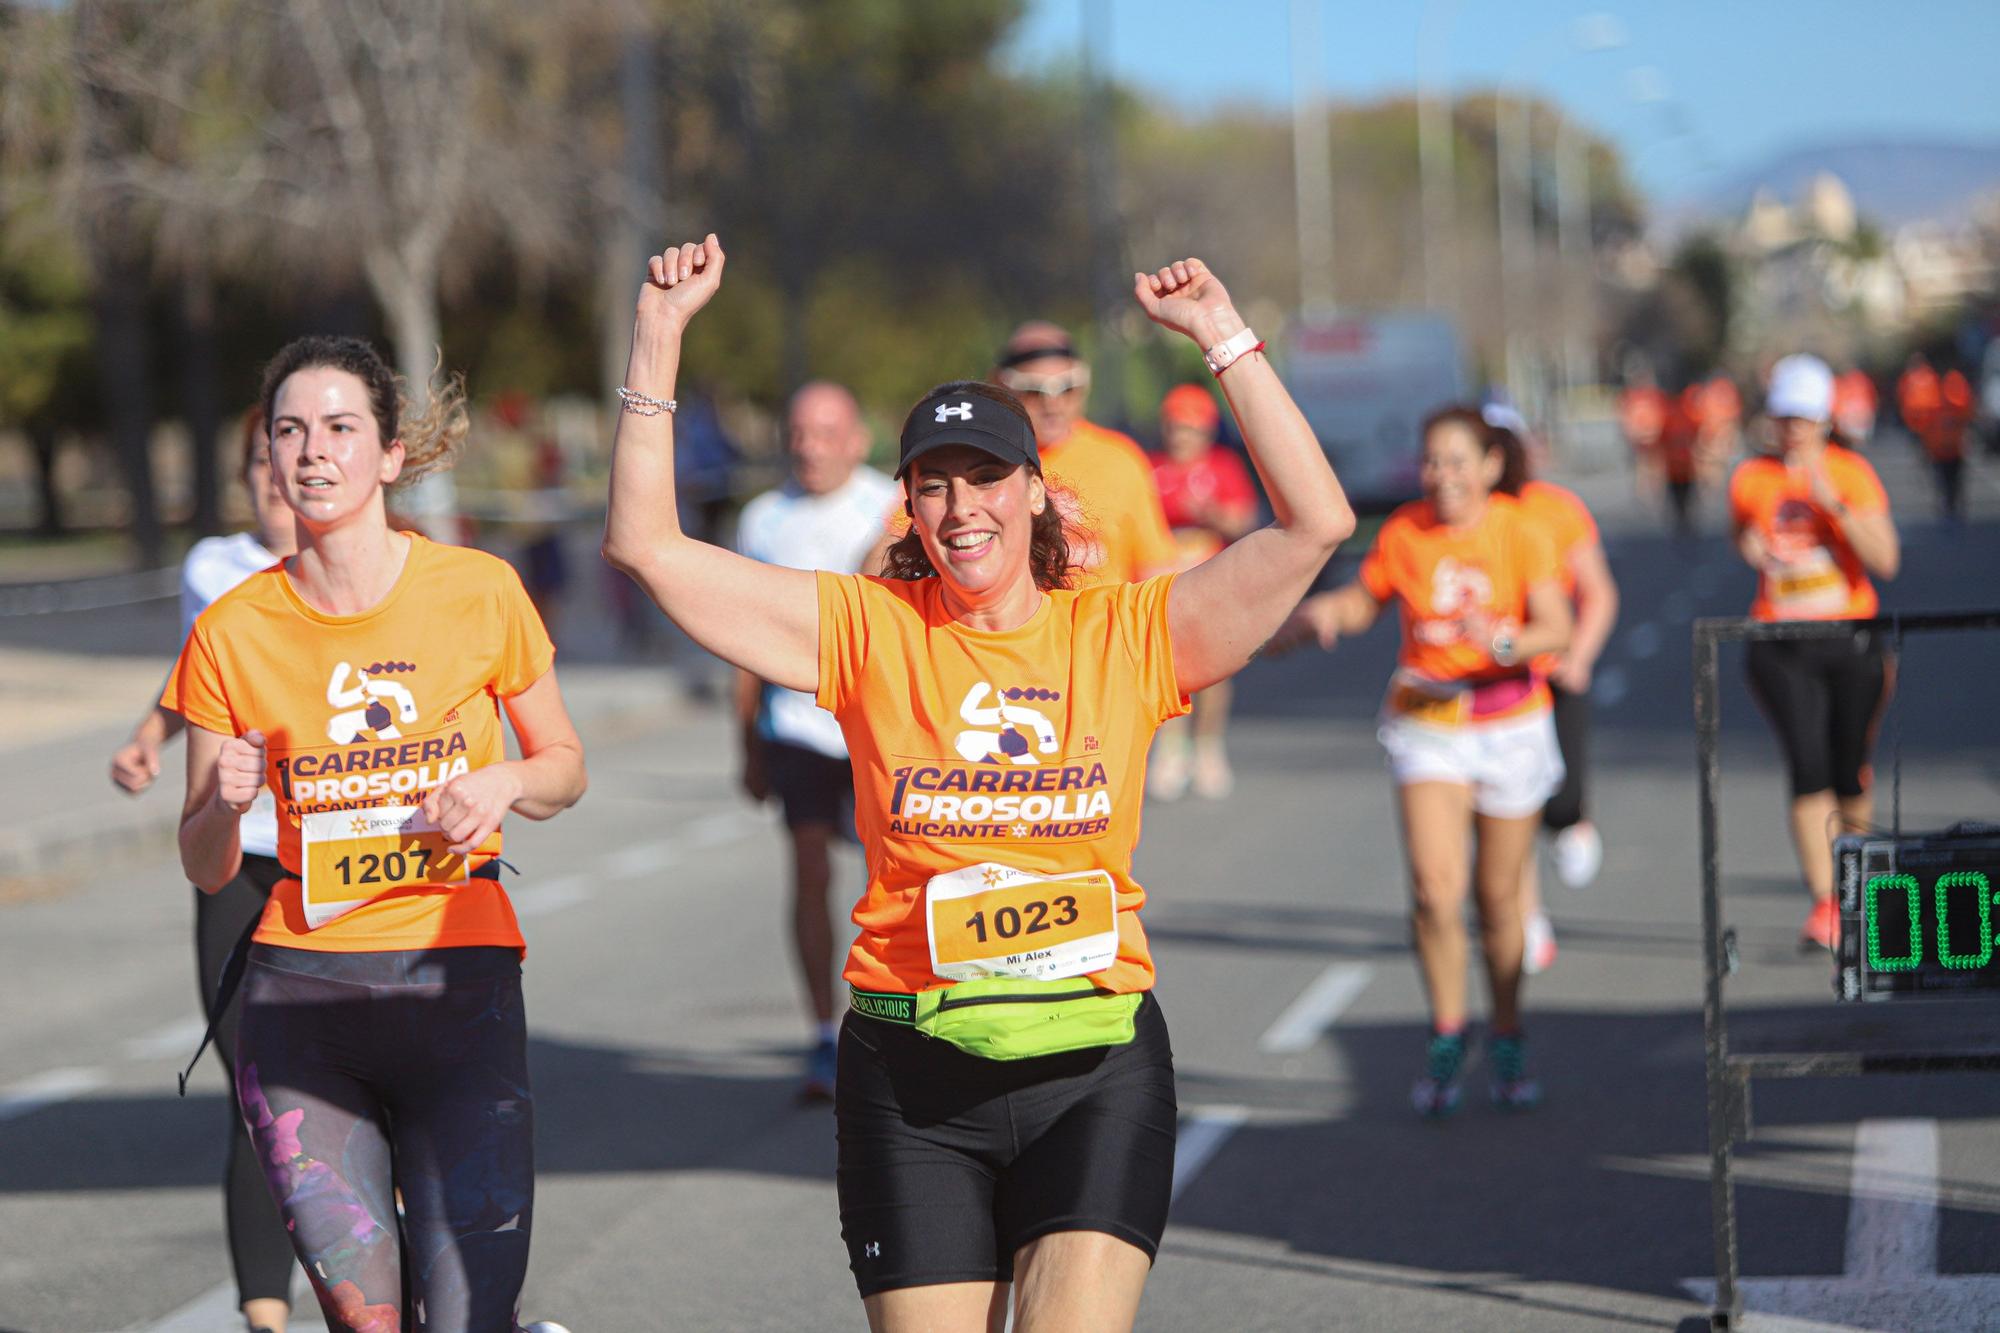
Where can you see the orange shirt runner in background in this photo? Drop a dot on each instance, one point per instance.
(1105, 483)
(1944, 439)
(1812, 573)
(367, 711)
(1567, 523)
(1854, 406)
(1024, 748)
(1442, 575)
(1918, 397)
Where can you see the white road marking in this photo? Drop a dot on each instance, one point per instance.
(176, 1038)
(1203, 1131)
(1892, 1221)
(713, 830)
(57, 1085)
(643, 859)
(1316, 1009)
(1891, 1278)
(551, 896)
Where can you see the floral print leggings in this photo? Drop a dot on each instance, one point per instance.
(369, 1079)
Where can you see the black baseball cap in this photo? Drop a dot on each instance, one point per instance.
(953, 416)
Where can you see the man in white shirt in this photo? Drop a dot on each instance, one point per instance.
(827, 516)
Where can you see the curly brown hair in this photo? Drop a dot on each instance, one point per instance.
(1051, 538)
(431, 441)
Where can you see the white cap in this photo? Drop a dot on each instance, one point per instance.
(1801, 386)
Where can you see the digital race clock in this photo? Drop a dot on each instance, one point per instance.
(1917, 913)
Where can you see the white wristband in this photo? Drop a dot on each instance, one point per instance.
(1224, 354)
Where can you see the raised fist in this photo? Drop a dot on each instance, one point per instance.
(1185, 297)
(680, 279)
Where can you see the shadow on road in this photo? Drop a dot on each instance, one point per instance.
(597, 1109)
(1606, 1185)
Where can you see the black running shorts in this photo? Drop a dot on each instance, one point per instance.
(950, 1163)
(814, 788)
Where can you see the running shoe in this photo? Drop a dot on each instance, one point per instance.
(1539, 939)
(1822, 927)
(545, 1326)
(1436, 1095)
(818, 1086)
(1213, 778)
(1507, 1068)
(1578, 852)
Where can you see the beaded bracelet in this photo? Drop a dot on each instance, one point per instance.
(645, 405)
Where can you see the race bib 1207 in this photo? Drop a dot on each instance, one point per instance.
(348, 857)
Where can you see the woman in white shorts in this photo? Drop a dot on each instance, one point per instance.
(1467, 728)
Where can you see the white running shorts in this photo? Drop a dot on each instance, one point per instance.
(1513, 766)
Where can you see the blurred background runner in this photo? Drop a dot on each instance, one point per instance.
(1210, 501)
(827, 515)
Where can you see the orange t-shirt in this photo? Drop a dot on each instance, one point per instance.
(1105, 484)
(1025, 748)
(1566, 520)
(1812, 573)
(371, 710)
(1441, 574)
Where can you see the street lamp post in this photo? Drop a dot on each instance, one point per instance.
(1312, 168)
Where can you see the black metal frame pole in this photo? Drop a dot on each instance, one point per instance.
(1721, 1093)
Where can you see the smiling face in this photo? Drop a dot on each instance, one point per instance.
(976, 516)
(1459, 472)
(327, 452)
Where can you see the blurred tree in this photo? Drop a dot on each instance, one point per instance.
(45, 343)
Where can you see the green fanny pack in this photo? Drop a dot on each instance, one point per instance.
(1005, 1018)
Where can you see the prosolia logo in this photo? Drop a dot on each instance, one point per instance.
(1006, 731)
(372, 709)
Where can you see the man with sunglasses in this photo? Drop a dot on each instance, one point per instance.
(1102, 478)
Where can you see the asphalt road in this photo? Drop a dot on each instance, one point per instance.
(680, 1187)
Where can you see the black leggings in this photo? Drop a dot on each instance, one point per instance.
(260, 1253)
(367, 1075)
(1823, 697)
(1572, 719)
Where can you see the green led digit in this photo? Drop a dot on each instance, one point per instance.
(1978, 881)
(1869, 907)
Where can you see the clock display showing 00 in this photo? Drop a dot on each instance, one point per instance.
(1917, 913)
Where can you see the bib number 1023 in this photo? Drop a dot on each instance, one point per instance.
(1033, 917)
(991, 920)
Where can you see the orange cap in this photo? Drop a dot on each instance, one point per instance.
(1189, 405)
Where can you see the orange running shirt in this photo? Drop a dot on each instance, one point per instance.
(1105, 484)
(1440, 574)
(1559, 513)
(371, 710)
(1812, 572)
(1025, 747)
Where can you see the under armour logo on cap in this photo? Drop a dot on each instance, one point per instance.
(872, 1250)
(946, 411)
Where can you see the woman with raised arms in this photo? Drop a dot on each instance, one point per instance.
(1004, 1094)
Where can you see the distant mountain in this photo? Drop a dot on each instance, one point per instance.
(1892, 182)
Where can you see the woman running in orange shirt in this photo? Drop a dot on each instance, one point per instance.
(1814, 523)
(1004, 1095)
(382, 1055)
(1466, 725)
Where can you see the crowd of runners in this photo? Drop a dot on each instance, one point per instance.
(920, 659)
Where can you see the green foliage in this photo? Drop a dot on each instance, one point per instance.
(45, 326)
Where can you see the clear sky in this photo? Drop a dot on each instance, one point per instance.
(1748, 79)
